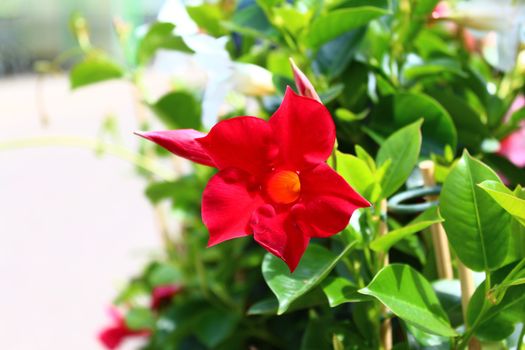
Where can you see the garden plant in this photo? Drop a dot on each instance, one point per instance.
(360, 191)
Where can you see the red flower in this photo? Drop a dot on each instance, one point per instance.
(163, 294)
(273, 180)
(112, 336)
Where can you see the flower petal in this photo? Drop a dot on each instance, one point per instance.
(512, 147)
(278, 234)
(302, 83)
(305, 131)
(227, 205)
(242, 142)
(180, 142)
(327, 202)
(112, 337)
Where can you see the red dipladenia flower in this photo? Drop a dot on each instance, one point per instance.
(273, 180)
(113, 335)
(163, 294)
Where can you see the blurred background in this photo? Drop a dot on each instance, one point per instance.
(73, 225)
(90, 216)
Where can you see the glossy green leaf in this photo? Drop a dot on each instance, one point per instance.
(411, 297)
(470, 128)
(499, 320)
(94, 69)
(339, 290)
(159, 36)
(395, 111)
(314, 266)
(429, 217)
(333, 57)
(329, 26)
(178, 110)
(356, 172)
(270, 306)
(505, 199)
(477, 229)
(402, 149)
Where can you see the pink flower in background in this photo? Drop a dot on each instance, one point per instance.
(113, 335)
(163, 294)
(512, 146)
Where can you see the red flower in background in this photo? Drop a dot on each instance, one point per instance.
(113, 335)
(273, 180)
(163, 294)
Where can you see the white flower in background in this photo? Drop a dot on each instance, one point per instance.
(222, 74)
(498, 23)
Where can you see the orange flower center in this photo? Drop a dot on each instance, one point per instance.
(284, 186)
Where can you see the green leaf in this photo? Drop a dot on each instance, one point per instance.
(402, 148)
(159, 36)
(178, 110)
(164, 274)
(499, 320)
(356, 172)
(94, 69)
(140, 318)
(514, 205)
(213, 326)
(329, 26)
(429, 217)
(333, 57)
(314, 266)
(477, 229)
(411, 297)
(270, 306)
(339, 290)
(395, 111)
(471, 130)
(208, 17)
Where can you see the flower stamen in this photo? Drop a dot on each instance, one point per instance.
(284, 186)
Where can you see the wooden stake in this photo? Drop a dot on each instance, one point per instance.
(467, 287)
(439, 237)
(386, 325)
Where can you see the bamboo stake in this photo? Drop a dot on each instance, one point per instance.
(467, 289)
(439, 238)
(442, 252)
(386, 325)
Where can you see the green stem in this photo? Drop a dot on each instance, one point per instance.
(95, 145)
(465, 339)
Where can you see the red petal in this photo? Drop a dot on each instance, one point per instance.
(112, 337)
(242, 142)
(304, 86)
(180, 142)
(227, 204)
(278, 234)
(304, 129)
(327, 202)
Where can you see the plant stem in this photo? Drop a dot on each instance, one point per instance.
(92, 144)
(486, 306)
(386, 325)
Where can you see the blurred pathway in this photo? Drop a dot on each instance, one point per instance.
(73, 226)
